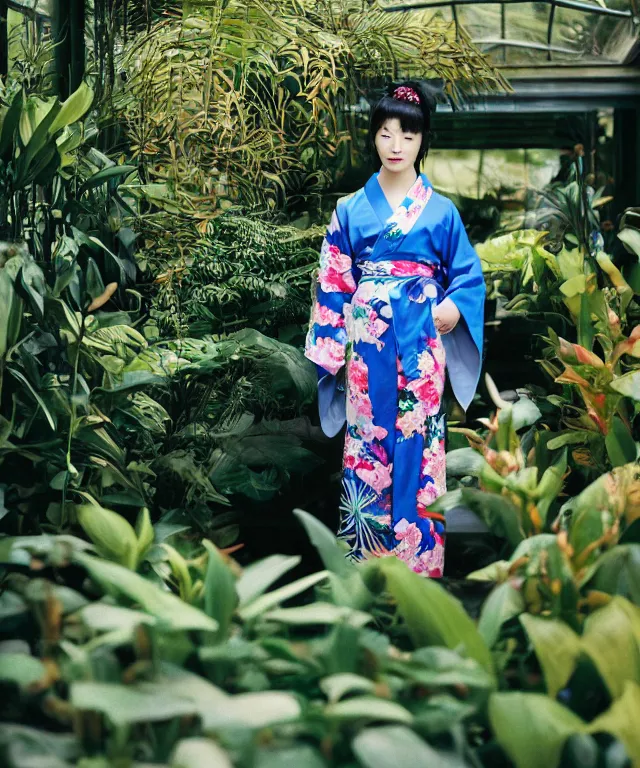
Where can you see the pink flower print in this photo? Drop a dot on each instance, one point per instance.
(432, 562)
(339, 261)
(412, 422)
(333, 281)
(426, 362)
(369, 432)
(351, 453)
(411, 268)
(325, 316)
(428, 392)
(427, 495)
(364, 294)
(349, 461)
(409, 533)
(402, 381)
(358, 375)
(361, 405)
(379, 452)
(326, 352)
(421, 193)
(378, 478)
(415, 209)
(434, 464)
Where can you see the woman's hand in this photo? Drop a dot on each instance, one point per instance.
(446, 316)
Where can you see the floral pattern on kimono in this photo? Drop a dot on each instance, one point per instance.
(381, 274)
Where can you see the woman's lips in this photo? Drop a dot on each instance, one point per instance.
(395, 160)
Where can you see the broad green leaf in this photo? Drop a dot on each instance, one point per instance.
(347, 585)
(103, 617)
(220, 596)
(106, 174)
(332, 554)
(112, 535)
(621, 447)
(258, 577)
(73, 109)
(581, 751)
(318, 613)
(557, 647)
(497, 512)
(24, 747)
(571, 437)
(23, 380)
(432, 616)
(631, 239)
(532, 728)
(617, 572)
(400, 747)
(504, 603)
(302, 756)
(128, 704)
(611, 638)
(199, 753)
(144, 533)
(336, 686)
(574, 286)
(497, 572)
(10, 122)
(9, 299)
(266, 602)
(95, 283)
(628, 384)
(368, 708)
(551, 484)
(254, 710)
(435, 667)
(21, 669)
(165, 606)
(464, 461)
(621, 720)
(524, 413)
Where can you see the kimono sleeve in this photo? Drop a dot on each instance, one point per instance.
(466, 288)
(335, 284)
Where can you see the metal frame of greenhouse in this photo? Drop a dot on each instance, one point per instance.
(563, 59)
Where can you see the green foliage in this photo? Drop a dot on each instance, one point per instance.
(130, 666)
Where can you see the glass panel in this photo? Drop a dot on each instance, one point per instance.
(595, 36)
(516, 33)
(475, 173)
(41, 7)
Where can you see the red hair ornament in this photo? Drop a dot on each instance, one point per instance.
(404, 93)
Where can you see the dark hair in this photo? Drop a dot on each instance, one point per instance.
(414, 118)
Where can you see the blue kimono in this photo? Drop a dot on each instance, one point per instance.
(381, 273)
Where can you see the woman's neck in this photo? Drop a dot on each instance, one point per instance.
(397, 182)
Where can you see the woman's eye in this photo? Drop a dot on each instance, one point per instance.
(408, 138)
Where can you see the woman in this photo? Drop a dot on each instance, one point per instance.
(399, 289)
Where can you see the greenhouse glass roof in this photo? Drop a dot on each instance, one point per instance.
(522, 33)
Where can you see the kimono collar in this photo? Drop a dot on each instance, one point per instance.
(378, 200)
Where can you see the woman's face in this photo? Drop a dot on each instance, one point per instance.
(397, 149)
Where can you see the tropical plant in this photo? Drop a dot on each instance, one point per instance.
(279, 82)
(242, 271)
(140, 674)
(120, 668)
